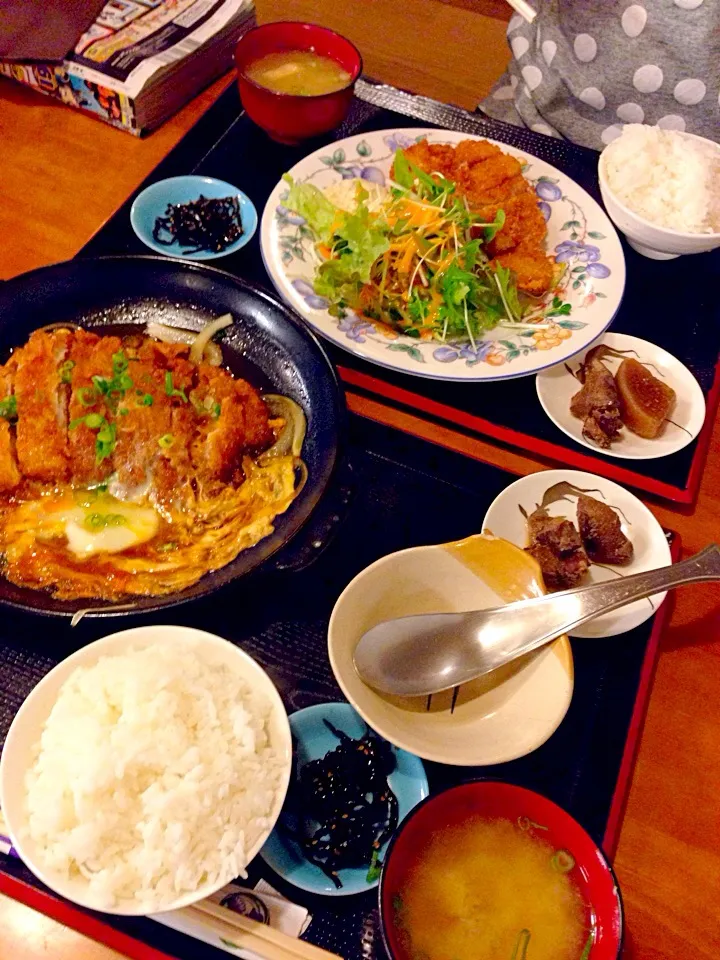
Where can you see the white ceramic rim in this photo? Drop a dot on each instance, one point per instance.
(556, 476)
(142, 636)
(614, 451)
(670, 234)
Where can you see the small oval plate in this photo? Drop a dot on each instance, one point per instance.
(650, 545)
(153, 203)
(311, 741)
(557, 386)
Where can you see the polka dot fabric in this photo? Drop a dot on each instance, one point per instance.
(582, 70)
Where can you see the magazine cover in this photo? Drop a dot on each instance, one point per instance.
(130, 49)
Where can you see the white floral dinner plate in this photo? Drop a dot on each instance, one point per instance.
(577, 310)
(650, 547)
(556, 388)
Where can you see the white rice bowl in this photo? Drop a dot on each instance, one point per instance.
(149, 773)
(669, 179)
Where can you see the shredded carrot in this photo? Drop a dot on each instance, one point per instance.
(404, 261)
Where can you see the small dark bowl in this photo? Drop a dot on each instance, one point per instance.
(286, 117)
(490, 799)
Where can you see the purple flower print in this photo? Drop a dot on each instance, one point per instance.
(350, 173)
(316, 303)
(574, 250)
(479, 353)
(303, 288)
(448, 354)
(374, 175)
(289, 216)
(354, 328)
(545, 210)
(548, 191)
(398, 141)
(445, 354)
(598, 270)
(309, 296)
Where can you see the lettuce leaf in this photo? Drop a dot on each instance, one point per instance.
(309, 202)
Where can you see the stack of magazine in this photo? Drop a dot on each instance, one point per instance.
(141, 60)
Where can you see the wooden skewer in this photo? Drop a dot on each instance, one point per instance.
(524, 9)
(269, 943)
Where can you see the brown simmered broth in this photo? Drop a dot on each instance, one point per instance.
(125, 467)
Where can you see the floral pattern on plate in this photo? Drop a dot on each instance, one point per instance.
(577, 310)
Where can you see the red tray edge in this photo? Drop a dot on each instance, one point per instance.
(70, 916)
(545, 448)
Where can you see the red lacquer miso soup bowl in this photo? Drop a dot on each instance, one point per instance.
(287, 117)
(489, 869)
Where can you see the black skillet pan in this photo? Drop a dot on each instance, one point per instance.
(267, 345)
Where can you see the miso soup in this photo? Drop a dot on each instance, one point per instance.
(488, 890)
(299, 72)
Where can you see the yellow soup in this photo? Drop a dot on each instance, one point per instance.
(486, 890)
(300, 72)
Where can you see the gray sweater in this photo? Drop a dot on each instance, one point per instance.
(586, 67)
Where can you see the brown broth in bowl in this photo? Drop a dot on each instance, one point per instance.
(488, 890)
(298, 72)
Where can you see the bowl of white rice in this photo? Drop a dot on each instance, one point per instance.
(662, 189)
(145, 771)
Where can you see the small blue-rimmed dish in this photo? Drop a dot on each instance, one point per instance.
(155, 199)
(312, 739)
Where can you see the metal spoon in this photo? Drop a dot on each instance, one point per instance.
(416, 656)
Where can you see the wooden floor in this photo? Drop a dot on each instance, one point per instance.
(63, 174)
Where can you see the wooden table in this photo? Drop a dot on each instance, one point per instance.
(62, 175)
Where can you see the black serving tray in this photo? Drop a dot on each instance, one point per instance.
(671, 303)
(400, 492)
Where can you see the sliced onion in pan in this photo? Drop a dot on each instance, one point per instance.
(293, 432)
(49, 327)
(201, 345)
(206, 334)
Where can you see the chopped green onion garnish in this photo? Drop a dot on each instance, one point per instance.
(166, 441)
(375, 868)
(8, 407)
(123, 411)
(146, 400)
(562, 861)
(105, 440)
(65, 371)
(171, 390)
(119, 362)
(215, 411)
(521, 945)
(588, 946)
(525, 824)
(87, 396)
(167, 547)
(98, 521)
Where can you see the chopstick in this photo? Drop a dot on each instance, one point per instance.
(268, 943)
(524, 9)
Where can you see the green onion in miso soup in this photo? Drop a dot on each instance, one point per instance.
(298, 72)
